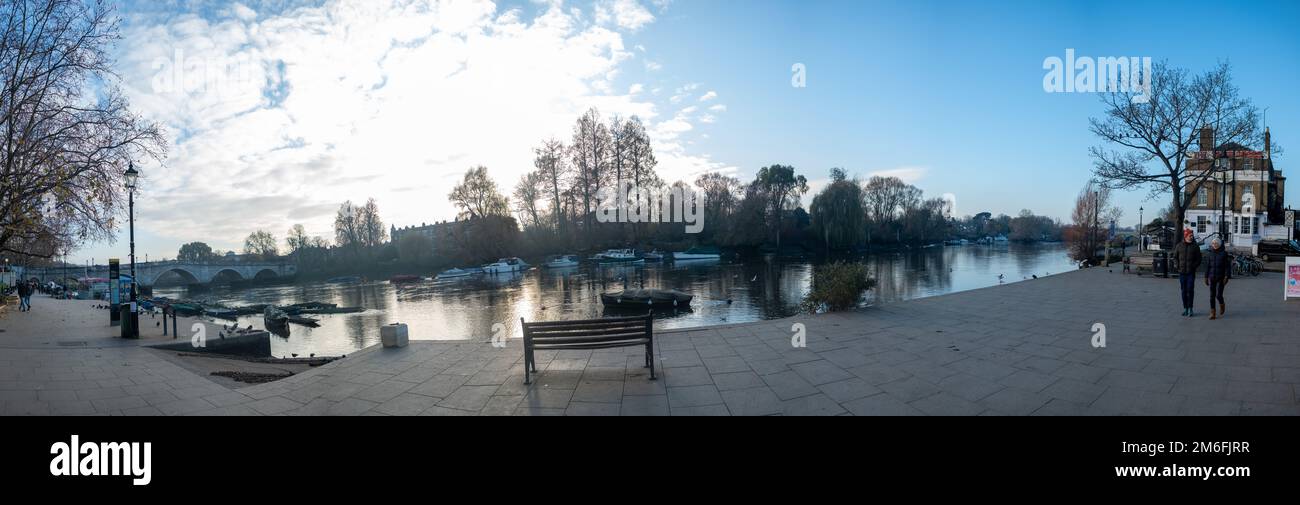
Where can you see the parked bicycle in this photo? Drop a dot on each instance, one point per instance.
(1243, 265)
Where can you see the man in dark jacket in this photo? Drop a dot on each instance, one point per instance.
(24, 296)
(1218, 269)
(1186, 259)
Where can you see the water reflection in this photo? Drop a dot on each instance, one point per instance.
(468, 307)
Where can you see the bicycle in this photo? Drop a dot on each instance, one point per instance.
(1246, 265)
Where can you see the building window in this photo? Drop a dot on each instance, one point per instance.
(1202, 197)
(1248, 190)
(1255, 230)
(1249, 164)
(1224, 163)
(1201, 222)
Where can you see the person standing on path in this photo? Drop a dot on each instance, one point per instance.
(24, 296)
(1187, 259)
(1218, 269)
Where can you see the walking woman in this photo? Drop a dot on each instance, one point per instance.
(1187, 259)
(1218, 269)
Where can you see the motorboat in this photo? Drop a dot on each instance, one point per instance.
(562, 261)
(457, 272)
(505, 265)
(698, 253)
(642, 298)
(654, 255)
(620, 256)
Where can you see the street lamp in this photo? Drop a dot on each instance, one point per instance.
(131, 176)
(1142, 230)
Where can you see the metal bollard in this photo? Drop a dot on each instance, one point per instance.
(164, 321)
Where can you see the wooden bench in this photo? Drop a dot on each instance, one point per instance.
(588, 334)
(1140, 263)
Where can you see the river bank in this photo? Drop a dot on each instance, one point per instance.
(1024, 348)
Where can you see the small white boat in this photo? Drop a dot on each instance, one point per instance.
(654, 255)
(564, 261)
(505, 265)
(458, 272)
(698, 253)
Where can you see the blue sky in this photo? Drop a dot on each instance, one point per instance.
(332, 100)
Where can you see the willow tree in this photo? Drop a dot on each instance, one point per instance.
(838, 212)
(67, 132)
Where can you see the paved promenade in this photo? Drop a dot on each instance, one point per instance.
(1023, 348)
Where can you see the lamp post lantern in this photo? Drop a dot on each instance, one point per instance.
(131, 177)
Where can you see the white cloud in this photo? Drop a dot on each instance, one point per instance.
(652, 66)
(708, 118)
(626, 14)
(908, 174)
(349, 100)
(718, 108)
(709, 96)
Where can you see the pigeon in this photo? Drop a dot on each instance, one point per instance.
(1035, 276)
(294, 354)
(312, 355)
(999, 278)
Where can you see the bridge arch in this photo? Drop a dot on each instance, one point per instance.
(184, 274)
(266, 274)
(228, 274)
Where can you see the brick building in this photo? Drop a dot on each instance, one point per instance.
(1242, 199)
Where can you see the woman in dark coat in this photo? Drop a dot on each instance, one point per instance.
(1217, 272)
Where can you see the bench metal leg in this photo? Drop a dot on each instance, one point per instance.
(649, 361)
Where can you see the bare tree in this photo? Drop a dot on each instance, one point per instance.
(67, 133)
(590, 152)
(262, 244)
(1151, 139)
(553, 172)
(347, 227)
(527, 192)
(1091, 208)
(370, 225)
(297, 238)
(478, 196)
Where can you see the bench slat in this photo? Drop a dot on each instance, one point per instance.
(606, 320)
(584, 332)
(601, 338)
(594, 345)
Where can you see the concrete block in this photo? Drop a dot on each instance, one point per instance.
(394, 335)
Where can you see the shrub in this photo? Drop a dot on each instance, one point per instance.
(837, 286)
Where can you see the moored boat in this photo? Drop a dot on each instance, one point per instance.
(561, 261)
(698, 253)
(505, 266)
(458, 272)
(654, 255)
(641, 298)
(620, 256)
(403, 279)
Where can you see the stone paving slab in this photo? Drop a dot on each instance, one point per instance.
(1023, 348)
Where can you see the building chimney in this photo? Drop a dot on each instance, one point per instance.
(1207, 138)
(1268, 144)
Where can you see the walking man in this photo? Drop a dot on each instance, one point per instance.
(24, 296)
(1218, 269)
(1186, 259)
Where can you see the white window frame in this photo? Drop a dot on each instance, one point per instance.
(1201, 223)
(1202, 197)
(1248, 164)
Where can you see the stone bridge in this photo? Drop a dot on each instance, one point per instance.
(191, 272)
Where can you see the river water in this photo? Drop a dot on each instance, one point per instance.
(725, 292)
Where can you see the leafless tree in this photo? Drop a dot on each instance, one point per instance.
(590, 152)
(370, 225)
(477, 195)
(553, 172)
(1148, 143)
(66, 130)
(527, 192)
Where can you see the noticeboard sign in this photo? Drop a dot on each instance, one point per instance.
(1291, 280)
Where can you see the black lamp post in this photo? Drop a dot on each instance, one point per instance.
(131, 176)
